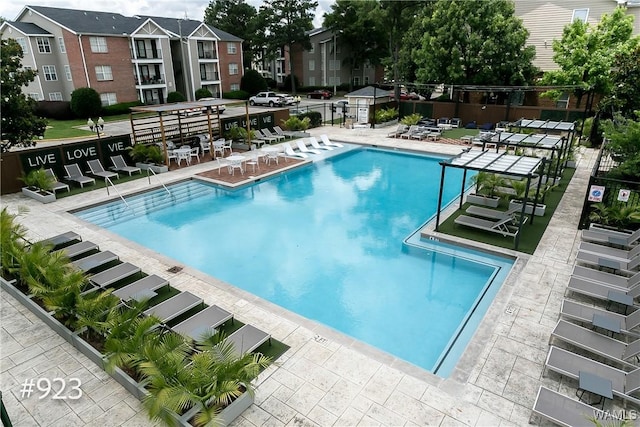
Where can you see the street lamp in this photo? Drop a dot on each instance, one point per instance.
(99, 126)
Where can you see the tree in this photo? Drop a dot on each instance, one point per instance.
(474, 42)
(238, 18)
(252, 82)
(20, 125)
(624, 97)
(586, 54)
(287, 23)
(357, 26)
(86, 103)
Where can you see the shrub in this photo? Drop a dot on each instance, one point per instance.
(386, 115)
(120, 108)
(39, 179)
(85, 102)
(252, 82)
(286, 85)
(271, 83)
(175, 97)
(411, 119)
(314, 116)
(203, 93)
(59, 110)
(237, 94)
(295, 123)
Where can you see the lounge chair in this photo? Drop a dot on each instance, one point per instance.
(596, 343)
(400, 129)
(98, 171)
(94, 261)
(500, 226)
(55, 184)
(62, 239)
(119, 165)
(75, 174)
(599, 260)
(247, 338)
(203, 323)
(141, 289)
(302, 146)
(288, 151)
(413, 129)
(565, 411)
(623, 255)
(268, 133)
(114, 274)
(174, 306)
(599, 290)
(314, 143)
(613, 237)
(569, 364)
(78, 249)
(326, 141)
(610, 279)
(265, 137)
(584, 313)
(286, 134)
(494, 214)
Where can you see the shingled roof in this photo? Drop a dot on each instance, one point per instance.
(29, 29)
(89, 22)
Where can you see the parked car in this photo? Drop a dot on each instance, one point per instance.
(267, 98)
(320, 94)
(288, 99)
(221, 108)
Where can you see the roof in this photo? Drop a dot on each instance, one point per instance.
(28, 28)
(367, 92)
(490, 161)
(89, 22)
(179, 106)
(545, 125)
(544, 141)
(186, 26)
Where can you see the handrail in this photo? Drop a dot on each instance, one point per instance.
(108, 181)
(156, 175)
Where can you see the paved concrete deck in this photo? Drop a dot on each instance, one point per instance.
(325, 378)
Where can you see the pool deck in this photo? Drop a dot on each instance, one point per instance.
(326, 378)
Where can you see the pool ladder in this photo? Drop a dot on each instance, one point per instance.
(110, 183)
(158, 178)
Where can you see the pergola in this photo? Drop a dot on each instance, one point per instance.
(493, 162)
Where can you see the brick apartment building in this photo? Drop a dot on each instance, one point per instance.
(123, 58)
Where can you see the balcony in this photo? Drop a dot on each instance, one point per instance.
(209, 77)
(207, 55)
(146, 55)
(151, 80)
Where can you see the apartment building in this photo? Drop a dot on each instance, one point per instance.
(123, 58)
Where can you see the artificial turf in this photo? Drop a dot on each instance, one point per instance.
(530, 234)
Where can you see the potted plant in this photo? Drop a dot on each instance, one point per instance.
(616, 217)
(519, 188)
(39, 186)
(148, 157)
(486, 189)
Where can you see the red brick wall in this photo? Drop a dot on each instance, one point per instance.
(75, 59)
(226, 59)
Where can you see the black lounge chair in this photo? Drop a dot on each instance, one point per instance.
(202, 323)
(78, 249)
(119, 165)
(94, 261)
(141, 289)
(114, 274)
(75, 174)
(62, 239)
(174, 306)
(247, 338)
(97, 170)
(565, 411)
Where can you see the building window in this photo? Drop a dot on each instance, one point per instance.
(43, 45)
(235, 86)
(23, 44)
(98, 44)
(49, 72)
(103, 72)
(61, 45)
(312, 65)
(233, 69)
(312, 81)
(563, 101)
(34, 95)
(356, 81)
(580, 14)
(108, 99)
(334, 65)
(232, 48)
(55, 96)
(67, 72)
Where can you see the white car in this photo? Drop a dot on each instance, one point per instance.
(266, 98)
(288, 99)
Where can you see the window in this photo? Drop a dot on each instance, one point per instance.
(312, 64)
(35, 95)
(49, 72)
(312, 81)
(141, 49)
(43, 45)
(108, 99)
(334, 65)
(356, 81)
(233, 68)
(580, 14)
(61, 45)
(55, 96)
(103, 72)
(563, 101)
(235, 86)
(67, 72)
(232, 48)
(98, 44)
(23, 44)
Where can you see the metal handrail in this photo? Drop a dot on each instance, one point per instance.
(156, 175)
(109, 182)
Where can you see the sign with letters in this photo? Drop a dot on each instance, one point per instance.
(45, 158)
(596, 192)
(256, 121)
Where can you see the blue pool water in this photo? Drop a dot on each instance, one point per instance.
(327, 242)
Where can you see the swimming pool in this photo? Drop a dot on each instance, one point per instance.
(333, 242)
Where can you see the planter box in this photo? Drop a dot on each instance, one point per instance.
(300, 134)
(88, 350)
(226, 416)
(155, 168)
(129, 383)
(483, 200)
(540, 209)
(39, 195)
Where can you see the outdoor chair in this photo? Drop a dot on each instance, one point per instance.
(205, 145)
(624, 255)
(325, 139)
(203, 323)
(493, 214)
(413, 129)
(55, 184)
(609, 279)
(565, 411)
(279, 131)
(141, 289)
(456, 122)
(195, 152)
(500, 226)
(62, 239)
(600, 260)
(314, 143)
(400, 129)
(302, 146)
(246, 339)
(599, 290)
(221, 162)
(288, 151)
(612, 237)
(78, 249)
(228, 145)
(96, 168)
(95, 261)
(261, 135)
(119, 165)
(585, 313)
(114, 274)
(268, 133)
(174, 306)
(75, 174)
(218, 147)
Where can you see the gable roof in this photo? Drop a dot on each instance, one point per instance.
(188, 26)
(28, 29)
(88, 22)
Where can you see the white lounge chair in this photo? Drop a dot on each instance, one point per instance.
(326, 141)
(413, 129)
(304, 149)
(400, 129)
(613, 237)
(584, 313)
(500, 226)
(288, 151)
(600, 260)
(314, 143)
(75, 174)
(610, 279)
(268, 133)
(263, 136)
(97, 170)
(624, 255)
(120, 165)
(599, 290)
(55, 184)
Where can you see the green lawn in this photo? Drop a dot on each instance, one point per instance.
(460, 132)
(530, 234)
(59, 129)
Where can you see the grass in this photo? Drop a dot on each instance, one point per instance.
(459, 132)
(60, 129)
(530, 234)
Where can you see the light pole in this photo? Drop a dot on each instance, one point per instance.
(99, 126)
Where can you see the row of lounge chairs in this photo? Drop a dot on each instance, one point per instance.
(491, 220)
(105, 270)
(303, 149)
(603, 347)
(96, 170)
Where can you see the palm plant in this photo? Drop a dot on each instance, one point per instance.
(12, 242)
(618, 216)
(487, 183)
(92, 310)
